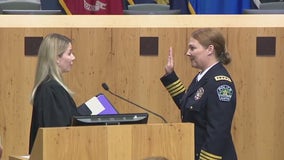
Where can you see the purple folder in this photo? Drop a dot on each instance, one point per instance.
(109, 108)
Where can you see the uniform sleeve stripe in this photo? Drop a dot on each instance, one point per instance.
(181, 90)
(175, 88)
(201, 158)
(209, 156)
(177, 82)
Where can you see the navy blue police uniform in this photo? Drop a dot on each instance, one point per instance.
(210, 104)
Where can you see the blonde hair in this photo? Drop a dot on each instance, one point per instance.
(52, 47)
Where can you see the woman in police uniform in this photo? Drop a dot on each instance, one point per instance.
(210, 100)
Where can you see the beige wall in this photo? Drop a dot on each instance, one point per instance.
(107, 50)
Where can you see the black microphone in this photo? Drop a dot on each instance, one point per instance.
(105, 86)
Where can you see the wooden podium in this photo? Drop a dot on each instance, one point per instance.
(115, 142)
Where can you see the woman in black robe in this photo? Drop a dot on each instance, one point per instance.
(52, 103)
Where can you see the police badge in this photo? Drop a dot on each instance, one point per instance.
(199, 93)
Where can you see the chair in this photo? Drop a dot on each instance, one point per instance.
(272, 5)
(19, 5)
(150, 8)
(267, 7)
(263, 11)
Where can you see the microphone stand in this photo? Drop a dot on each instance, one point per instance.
(107, 89)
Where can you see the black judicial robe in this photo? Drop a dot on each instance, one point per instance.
(53, 107)
(209, 104)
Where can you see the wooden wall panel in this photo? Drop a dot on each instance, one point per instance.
(259, 116)
(241, 46)
(15, 83)
(111, 54)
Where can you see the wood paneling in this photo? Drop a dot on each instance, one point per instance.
(107, 50)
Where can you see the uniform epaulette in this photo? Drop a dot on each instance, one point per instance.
(222, 78)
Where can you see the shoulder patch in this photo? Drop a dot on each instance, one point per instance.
(222, 78)
(225, 93)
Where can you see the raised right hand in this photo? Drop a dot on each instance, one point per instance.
(169, 68)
